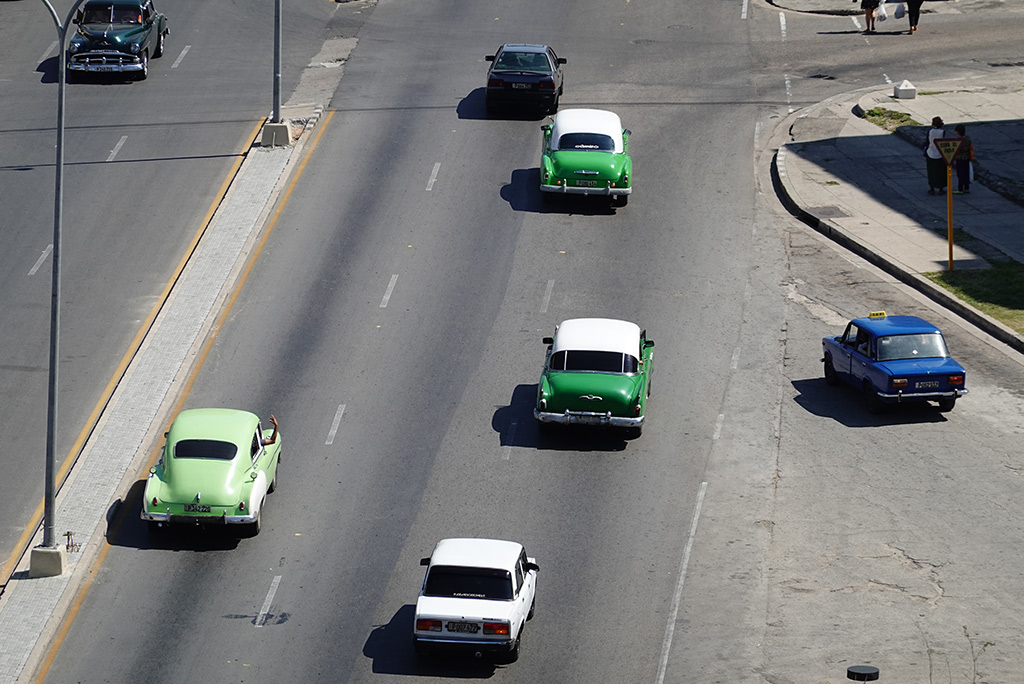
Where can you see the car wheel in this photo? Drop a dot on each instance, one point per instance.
(871, 400)
(620, 200)
(158, 51)
(513, 653)
(142, 75)
(546, 429)
(273, 483)
(554, 105)
(533, 607)
(154, 527)
(69, 76)
(254, 528)
(489, 106)
(634, 432)
(831, 377)
(422, 650)
(946, 405)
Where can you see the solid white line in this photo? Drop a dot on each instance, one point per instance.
(757, 133)
(735, 359)
(433, 176)
(782, 25)
(41, 259)
(718, 426)
(856, 23)
(48, 51)
(387, 293)
(510, 440)
(547, 296)
(743, 14)
(789, 93)
(334, 425)
(670, 628)
(266, 604)
(184, 51)
(117, 148)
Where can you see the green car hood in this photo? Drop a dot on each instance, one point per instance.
(218, 482)
(578, 391)
(111, 36)
(568, 164)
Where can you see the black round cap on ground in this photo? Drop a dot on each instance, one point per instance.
(862, 673)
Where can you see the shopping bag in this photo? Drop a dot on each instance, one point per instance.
(880, 12)
(970, 171)
(900, 12)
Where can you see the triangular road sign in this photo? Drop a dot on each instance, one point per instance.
(949, 147)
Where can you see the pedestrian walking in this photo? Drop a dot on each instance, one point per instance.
(913, 14)
(869, 7)
(962, 161)
(936, 164)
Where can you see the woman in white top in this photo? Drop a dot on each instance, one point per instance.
(936, 164)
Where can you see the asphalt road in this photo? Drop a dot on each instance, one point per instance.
(144, 161)
(763, 528)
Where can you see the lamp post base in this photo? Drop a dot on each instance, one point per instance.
(48, 561)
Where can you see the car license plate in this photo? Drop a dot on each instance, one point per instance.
(927, 384)
(105, 68)
(586, 183)
(468, 627)
(197, 508)
(521, 86)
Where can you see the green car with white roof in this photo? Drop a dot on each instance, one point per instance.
(586, 152)
(597, 372)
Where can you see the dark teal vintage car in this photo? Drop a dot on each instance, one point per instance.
(118, 36)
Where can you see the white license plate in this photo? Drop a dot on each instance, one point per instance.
(466, 627)
(586, 183)
(104, 68)
(928, 384)
(197, 508)
(521, 86)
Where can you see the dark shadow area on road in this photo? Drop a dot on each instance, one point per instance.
(523, 194)
(126, 528)
(516, 427)
(845, 405)
(474, 106)
(390, 648)
(48, 71)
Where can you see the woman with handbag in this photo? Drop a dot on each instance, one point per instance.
(869, 7)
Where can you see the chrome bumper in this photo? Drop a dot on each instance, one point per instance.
(573, 190)
(188, 519)
(900, 397)
(104, 62)
(587, 418)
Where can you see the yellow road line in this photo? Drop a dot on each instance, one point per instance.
(90, 424)
(186, 389)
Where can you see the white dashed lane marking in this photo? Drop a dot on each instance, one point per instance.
(117, 148)
(262, 617)
(547, 296)
(335, 424)
(184, 51)
(42, 258)
(387, 293)
(433, 176)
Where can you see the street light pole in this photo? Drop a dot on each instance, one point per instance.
(276, 116)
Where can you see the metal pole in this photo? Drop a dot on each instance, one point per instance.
(949, 210)
(276, 117)
(50, 486)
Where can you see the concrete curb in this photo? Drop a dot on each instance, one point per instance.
(926, 287)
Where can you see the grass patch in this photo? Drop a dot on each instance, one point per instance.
(996, 291)
(888, 119)
(933, 92)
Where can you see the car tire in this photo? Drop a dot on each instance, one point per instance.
(553, 107)
(946, 405)
(154, 527)
(513, 653)
(158, 51)
(144, 74)
(871, 400)
(620, 200)
(254, 527)
(533, 608)
(831, 377)
(273, 483)
(421, 649)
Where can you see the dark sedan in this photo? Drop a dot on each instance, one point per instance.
(116, 36)
(522, 74)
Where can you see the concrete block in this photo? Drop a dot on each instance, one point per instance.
(904, 91)
(275, 134)
(48, 562)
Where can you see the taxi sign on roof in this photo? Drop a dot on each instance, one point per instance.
(949, 147)
(876, 314)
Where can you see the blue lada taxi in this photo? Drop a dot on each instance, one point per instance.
(894, 359)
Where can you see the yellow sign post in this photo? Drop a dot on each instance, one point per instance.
(949, 147)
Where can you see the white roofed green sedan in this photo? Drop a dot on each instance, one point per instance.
(586, 152)
(216, 468)
(597, 372)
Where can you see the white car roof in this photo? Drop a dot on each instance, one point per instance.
(587, 121)
(477, 553)
(598, 334)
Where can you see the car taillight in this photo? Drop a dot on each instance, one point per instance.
(241, 506)
(899, 382)
(428, 625)
(547, 85)
(495, 628)
(154, 501)
(495, 83)
(956, 379)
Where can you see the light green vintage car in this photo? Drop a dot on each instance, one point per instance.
(586, 152)
(597, 372)
(216, 468)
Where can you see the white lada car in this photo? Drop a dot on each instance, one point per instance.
(476, 597)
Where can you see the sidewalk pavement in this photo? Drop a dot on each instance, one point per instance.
(866, 188)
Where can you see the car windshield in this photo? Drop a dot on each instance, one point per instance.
(521, 61)
(601, 361)
(112, 14)
(586, 141)
(915, 346)
(477, 583)
(205, 448)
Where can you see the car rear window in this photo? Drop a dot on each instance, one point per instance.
(524, 61)
(205, 448)
(603, 361)
(586, 141)
(916, 346)
(478, 583)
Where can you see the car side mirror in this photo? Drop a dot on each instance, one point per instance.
(531, 566)
(78, 17)
(548, 340)
(627, 132)
(489, 58)
(648, 344)
(424, 561)
(561, 60)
